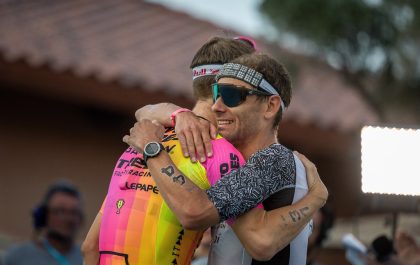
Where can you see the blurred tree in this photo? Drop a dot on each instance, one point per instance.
(363, 38)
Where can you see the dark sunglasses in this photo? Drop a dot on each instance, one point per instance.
(232, 95)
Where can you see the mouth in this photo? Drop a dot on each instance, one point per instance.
(224, 122)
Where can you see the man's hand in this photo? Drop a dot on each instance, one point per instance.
(315, 184)
(143, 132)
(195, 135)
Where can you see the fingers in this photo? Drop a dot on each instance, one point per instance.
(161, 129)
(310, 168)
(130, 141)
(194, 134)
(190, 145)
(202, 139)
(183, 143)
(208, 132)
(158, 125)
(207, 143)
(306, 162)
(315, 184)
(213, 131)
(199, 145)
(126, 139)
(144, 132)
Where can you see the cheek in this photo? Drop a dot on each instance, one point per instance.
(53, 221)
(61, 222)
(243, 125)
(250, 118)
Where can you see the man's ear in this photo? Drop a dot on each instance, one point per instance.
(272, 107)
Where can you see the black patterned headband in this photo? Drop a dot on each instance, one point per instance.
(249, 75)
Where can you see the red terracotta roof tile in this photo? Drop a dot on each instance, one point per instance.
(138, 43)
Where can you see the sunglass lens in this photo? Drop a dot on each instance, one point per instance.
(215, 90)
(231, 96)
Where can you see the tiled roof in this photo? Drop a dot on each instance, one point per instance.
(129, 41)
(145, 45)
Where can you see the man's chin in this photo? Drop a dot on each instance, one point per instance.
(60, 236)
(230, 137)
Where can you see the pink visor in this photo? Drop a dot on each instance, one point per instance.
(248, 40)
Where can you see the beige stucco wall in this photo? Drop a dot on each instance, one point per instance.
(42, 141)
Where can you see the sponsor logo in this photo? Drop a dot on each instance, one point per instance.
(177, 247)
(227, 167)
(131, 150)
(140, 186)
(140, 173)
(135, 162)
(120, 204)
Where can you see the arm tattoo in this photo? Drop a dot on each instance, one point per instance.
(169, 170)
(179, 179)
(284, 219)
(303, 210)
(284, 224)
(296, 215)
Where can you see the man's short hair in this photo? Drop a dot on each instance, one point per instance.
(61, 187)
(217, 50)
(275, 74)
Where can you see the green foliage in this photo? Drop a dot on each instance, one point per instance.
(380, 37)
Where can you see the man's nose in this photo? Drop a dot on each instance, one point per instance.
(218, 106)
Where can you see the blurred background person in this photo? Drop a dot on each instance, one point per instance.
(403, 251)
(408, 251)
(383, 251)
(56, 222)
(323, 221)
(380, 251)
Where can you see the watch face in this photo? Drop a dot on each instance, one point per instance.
(152, 148)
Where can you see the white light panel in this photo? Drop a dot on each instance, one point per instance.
(390, 160)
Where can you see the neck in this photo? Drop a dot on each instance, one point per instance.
(60, 243)
(203, 108)
(263, 139)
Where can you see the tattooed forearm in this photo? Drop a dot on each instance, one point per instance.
(179, 179)
(297, 215)
(169, 170)
(284, 224)
(191, 188)
(294, 215)
(303, 210)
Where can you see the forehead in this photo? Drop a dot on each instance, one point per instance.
(234, 81)
(63, 199)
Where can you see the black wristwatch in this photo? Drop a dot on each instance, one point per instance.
(152, 149)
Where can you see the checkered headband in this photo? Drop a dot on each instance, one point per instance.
(249, 75)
